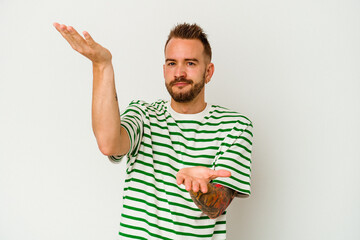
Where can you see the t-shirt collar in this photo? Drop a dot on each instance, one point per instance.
(184, 116)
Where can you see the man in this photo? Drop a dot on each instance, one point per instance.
(187, 159)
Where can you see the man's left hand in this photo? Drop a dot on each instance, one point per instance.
(197, 178)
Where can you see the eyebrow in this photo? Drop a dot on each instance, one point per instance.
(186, 59)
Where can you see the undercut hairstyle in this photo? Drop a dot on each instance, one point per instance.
(190, 31)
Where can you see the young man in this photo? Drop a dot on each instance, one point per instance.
(187, 159)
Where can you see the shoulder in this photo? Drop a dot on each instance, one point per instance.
(226, 114)
(157, 106)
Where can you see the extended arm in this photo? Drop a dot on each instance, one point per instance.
(111, 138)
(211, 199)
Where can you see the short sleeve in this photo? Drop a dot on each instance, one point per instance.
(133, 122)
(235, 156)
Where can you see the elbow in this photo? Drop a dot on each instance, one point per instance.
(213, 216)
(106, 147)
(105, 150)
(214, 212)
(110, 147)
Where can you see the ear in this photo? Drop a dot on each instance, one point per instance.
(209, 72)
(164, 70)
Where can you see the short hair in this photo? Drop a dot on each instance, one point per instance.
(190, 31)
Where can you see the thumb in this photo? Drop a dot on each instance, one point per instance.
(220, 173)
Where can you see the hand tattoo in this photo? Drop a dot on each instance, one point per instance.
(215, 201)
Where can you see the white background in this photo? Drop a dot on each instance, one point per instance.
(292, 67)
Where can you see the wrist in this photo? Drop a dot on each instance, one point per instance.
(102, 65)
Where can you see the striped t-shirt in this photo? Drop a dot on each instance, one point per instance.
(162, 142)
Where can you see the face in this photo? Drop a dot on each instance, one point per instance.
(186, 69)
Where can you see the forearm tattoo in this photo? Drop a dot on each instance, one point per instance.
(215, 201)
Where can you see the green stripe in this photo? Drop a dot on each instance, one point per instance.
(135, 117)
(192, 148)
(135, 109)
(158, 189)
(130, 137)
(186, 138)
(131, 236)
(228, 111)
(195, 139)
(182, 162)
(237, 145)
(242, 156)
(161, 199)
(144, 230)
(165, 209)
(176, 151)
(212, 124)
(179, 143)
(165, 229)
(231, 186)
(197, 130)
(168, 220)
(155, 170)
(197, 122)
(233, 169)
(240, 137)
(159, 180)
(234, 161)
(131, 124)
(238, 153)
(240, 181)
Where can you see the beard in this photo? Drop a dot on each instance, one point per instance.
(186, 96)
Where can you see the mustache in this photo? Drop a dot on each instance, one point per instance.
(180, 79)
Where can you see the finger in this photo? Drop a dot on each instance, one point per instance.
(62, 29)
(203, 187)
(219, 173)
(89, 39)
(77, 40)
(76, 36)
(59, 27)
(56, 25)
(69, 34)
(179, 179)
(195, 186)
(187, 184)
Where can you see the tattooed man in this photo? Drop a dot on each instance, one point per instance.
(186, 159)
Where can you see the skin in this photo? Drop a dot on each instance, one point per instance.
(214, 202)
(184, 59)
(111, 138)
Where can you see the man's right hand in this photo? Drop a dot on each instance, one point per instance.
(112, 139)
(86, 46)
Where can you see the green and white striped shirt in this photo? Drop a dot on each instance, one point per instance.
(163, 142)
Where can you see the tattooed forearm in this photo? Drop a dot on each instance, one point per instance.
(215, 201)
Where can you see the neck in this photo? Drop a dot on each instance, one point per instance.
(197, 105)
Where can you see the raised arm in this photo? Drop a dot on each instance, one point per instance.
(211, 199)
(111, 138)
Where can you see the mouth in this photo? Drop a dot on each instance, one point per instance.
(181, 84)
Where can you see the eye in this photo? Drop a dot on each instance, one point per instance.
(171, 64)
(191, 63)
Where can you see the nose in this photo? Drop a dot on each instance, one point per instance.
(180, 71)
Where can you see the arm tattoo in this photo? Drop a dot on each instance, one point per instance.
(215, 201)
